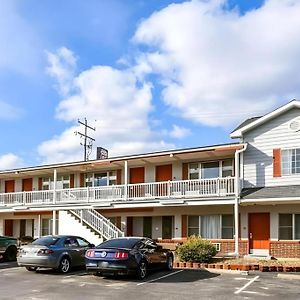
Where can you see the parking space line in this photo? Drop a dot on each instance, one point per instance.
(246, 285)
(155, 279)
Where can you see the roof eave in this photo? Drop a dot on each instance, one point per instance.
(239, 133)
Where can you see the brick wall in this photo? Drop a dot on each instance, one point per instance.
(227, 246)
(285, 249)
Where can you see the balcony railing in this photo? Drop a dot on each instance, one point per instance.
(217, 187)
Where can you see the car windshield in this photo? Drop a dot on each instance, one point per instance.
(46, 241)
(119, 243)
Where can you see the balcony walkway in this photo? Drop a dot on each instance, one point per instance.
(182, 189)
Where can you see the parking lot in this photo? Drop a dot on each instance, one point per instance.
(18, 283)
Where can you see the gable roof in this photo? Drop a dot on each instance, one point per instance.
(251, 123)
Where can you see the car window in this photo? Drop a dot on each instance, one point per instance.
(46, 241)
(71, 242)
(82, 242)
(128, 243)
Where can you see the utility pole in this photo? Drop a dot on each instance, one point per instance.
(88, 141)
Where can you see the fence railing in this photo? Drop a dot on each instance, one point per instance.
(98, 223)
(216, 187)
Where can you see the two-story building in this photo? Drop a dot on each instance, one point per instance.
(243, 196)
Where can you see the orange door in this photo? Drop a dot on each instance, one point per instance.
(27, 185)
(259, 230)
(137, 175)
(163, 173)
(9, 186)
(8, 230)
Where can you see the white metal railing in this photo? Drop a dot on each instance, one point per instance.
(98, 223)
(216, 187)
(183, 188)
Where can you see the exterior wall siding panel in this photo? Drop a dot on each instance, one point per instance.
(258, 158)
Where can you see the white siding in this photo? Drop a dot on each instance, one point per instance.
(258, 158)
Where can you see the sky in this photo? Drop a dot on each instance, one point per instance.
(148, 75)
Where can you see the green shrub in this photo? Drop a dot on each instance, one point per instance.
(196, 249)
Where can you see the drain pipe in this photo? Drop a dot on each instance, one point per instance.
(237, 198)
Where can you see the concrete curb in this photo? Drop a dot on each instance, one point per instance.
(288, 276)
(211, 270)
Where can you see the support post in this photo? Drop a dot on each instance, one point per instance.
(54, 222)
(39, 226)
(126, 179)
(54, 186)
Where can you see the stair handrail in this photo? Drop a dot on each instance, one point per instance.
(98, 222)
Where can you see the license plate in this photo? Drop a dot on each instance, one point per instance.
(103, 264)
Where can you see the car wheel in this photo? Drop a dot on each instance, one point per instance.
(65, 265)
(169, 265)
(142, 270)
(11, 253)
(31, 269)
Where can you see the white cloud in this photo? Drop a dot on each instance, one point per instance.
(179, 132)
(218, 66)
(119, 103)
(62, 67)
(10, 161)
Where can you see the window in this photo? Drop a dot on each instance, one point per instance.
(82, 242)
(193, 225)
(227, 226)
(290, 161)
(46, 226)
(227, 168)
(101, 179)
(210, 170)
(62, 182)
(215, 169)
(289, 226)
(211, 226)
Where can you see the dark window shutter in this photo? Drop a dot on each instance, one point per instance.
(276, 162)
(184, 226)
(119, 176)
(82, 180)
(72, 181)
(185, 171)
(40, 183)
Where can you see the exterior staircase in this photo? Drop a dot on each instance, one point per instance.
(97, 223)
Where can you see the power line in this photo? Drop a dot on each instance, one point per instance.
(88, 140)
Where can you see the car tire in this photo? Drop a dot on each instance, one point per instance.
(11, 253)
(142, 270)
(64, 265)
(31, 269)
(169, 264)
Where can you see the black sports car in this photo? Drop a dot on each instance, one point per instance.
(128, 255)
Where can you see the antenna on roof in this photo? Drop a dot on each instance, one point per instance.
(88, 141)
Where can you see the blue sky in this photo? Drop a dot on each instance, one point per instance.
(149, 75)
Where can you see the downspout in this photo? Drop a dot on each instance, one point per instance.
(237, 198)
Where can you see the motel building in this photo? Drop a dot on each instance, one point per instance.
(243, 196)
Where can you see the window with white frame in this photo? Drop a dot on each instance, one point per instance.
(211, 226)
(47, 226)
(290, 161)
(289, 227)
(214, 169)
(62, 182)
(101, 179)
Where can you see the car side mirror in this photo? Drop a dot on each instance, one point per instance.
(92, 246)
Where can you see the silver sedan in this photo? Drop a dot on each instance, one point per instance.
(58, 252)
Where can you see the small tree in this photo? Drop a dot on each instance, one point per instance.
(196, 249)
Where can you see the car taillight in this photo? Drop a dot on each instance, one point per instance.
(120, 255)
(90, 253)
(45, 252)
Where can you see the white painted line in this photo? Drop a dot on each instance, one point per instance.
(246, 285)
(155, 279)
